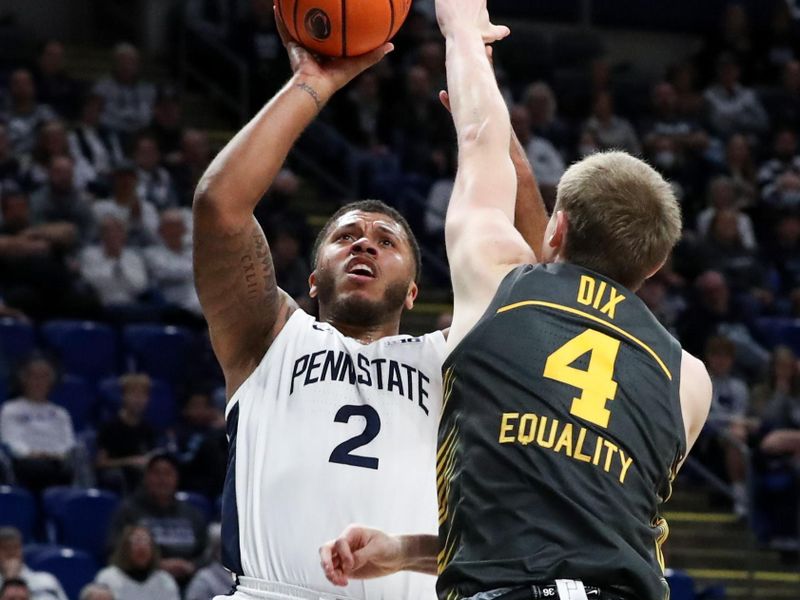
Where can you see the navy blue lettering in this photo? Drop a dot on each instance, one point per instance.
(348, 369)
(299, 367)
(422, 391)
(409, 384)
(395, 380)
(331, 366)
(313, 364)
(363, 366)
(378, 371)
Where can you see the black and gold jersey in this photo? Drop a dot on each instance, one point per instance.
(559, 439)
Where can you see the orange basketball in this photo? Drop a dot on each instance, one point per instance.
(343, 27)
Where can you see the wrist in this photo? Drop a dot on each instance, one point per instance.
(318, 90)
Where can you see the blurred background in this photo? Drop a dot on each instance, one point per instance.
(111, 403)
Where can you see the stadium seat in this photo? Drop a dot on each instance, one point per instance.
(681, 586)
(82, 518)
(73, 568)
(18, 509)
(160, 351)
(77, 397)
(85, 348)
(31, 551)
(161, 411)
(17, 339)
(52, 503)
(199, 501)
(776, 331)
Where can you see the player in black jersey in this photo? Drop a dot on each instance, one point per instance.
(568, 409)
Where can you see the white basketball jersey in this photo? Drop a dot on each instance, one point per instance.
(327, 432)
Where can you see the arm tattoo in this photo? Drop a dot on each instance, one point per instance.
(311, 92)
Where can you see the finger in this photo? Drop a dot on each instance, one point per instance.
(490, 53)
(496, 33)
(326, 557)
(444, 98)
(342, 548)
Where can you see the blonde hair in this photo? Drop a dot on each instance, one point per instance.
(623, 216)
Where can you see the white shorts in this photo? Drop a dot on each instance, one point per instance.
(257, 589)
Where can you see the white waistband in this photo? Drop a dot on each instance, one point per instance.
(284, 589)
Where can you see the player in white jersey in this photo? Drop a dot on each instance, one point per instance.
(334, 420)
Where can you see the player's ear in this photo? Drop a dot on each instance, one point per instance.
(656, 269)
(413, 290)
(312, 284)
(559, 232)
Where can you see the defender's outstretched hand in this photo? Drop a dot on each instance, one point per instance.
(328, 74)
(361, 553)
(452, 14)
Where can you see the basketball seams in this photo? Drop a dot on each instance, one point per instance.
(294, 20)
(344, 28)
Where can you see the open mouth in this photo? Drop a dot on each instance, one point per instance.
(361, 269)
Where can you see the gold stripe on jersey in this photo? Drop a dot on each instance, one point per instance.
(446, 555)
(447, 386)
(444, 469)
(585, 315)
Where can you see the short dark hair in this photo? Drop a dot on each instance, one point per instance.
(371, 206)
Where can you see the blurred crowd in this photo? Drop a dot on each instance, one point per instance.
(96, 185)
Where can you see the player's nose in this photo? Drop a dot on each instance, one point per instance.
(364, 244)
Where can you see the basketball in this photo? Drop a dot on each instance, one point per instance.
(343, 27)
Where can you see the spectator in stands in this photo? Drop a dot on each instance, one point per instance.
(95, 148)
(779, 44)
(733, 39)
(38, 433)
(14, 589)
(178, 529)
(740, 167)
(190, 163)
(722, 196)
(10, 168)
(169, 265)
(201, 445)
(214, 579)
(24, 114)
(683, 77)
(134, 573)
(785, 108)
(542, 107)
(730, 405)
(96, 591)
(779, 177)
(41, 585)
(670, 137)
(774, 399)
(783, 254)
(291, 269)
(154, 183)
(61, 201)
(116, 272)
(167, 123)
(543, 156)
(51, 142)
(666, 305)
(34, 259)
(430, 56)
(732, 107)
(724, 250)
(360, 114)
(139, 216)
(439, 195)
(125, 442)
(610, 130)
(56, 89)
(211, 18)
(713, 311)
(128, 100)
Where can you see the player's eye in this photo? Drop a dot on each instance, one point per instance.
(387, 243)
(346, 236)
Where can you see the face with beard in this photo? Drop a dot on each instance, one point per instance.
(365, 271)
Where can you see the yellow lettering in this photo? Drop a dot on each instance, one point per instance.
(579, 455)
(609, 455)
(610, 308)
(626, 464)
(597, 448)
(527, 429)
(506, 427)
(586, 290)
(565, 441)
(552, 436)
(599, 296)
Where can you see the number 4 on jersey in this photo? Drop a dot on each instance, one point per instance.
(596, 382)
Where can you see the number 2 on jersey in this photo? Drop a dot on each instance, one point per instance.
(596, 382)
(342, 453)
